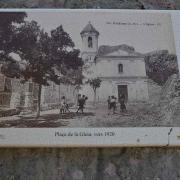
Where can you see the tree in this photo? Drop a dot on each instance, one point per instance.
(8, 28)
(95, 83)
(160, 65)
(53, 59)
(66, 58)
(47, 58)
(35, 54)
(24, 41)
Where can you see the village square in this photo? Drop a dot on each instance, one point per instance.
(100, 86)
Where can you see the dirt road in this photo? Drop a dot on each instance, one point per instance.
(137, 115)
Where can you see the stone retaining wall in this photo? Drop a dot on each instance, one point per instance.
(90, 164)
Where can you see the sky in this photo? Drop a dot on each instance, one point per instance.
(146, 32)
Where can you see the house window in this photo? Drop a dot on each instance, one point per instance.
(90, 45)
(120, 68)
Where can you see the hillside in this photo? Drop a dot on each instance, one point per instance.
(169, 103)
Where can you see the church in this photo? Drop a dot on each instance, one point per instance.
(121, 69)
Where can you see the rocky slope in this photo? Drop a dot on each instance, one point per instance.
(169, 103)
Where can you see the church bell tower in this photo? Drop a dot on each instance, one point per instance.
(89, 37)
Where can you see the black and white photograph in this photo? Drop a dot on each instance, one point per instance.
(87, 69)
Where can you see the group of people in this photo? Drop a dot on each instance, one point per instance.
(64, 106)
(112, 103)
(81, 101)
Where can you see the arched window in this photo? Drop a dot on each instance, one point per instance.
(90, 44)
(120, 68)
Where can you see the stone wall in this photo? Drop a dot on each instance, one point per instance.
(15, 94)
(51, 95)
(90, 164)
(24, 95)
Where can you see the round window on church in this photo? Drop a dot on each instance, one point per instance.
(90, 44)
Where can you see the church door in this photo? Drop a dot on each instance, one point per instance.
(122, 89)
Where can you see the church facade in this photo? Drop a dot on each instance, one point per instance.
(121, 69)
